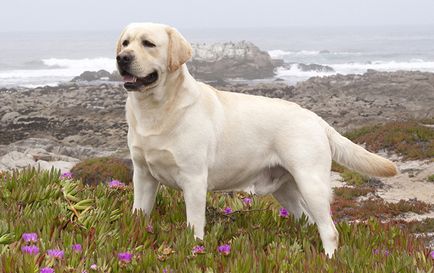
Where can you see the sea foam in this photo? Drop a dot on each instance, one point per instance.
(282, 54)
(292, 73)
(54, 70)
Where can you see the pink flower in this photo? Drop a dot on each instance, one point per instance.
(56, 253)
(67, 175)
(432, 254)
(125, 257)
(377, 251)
(30, 237)
(93, 267)
(224, 249)
(227, 210)
(46, 270)
(198, 250)
(116, 184)
(247, 201)
(77, 248)
(32, 250)
(283, 213)
(150, 228)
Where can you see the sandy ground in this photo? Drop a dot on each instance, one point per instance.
(411, 183)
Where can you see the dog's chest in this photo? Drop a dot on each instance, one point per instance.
(160, 162)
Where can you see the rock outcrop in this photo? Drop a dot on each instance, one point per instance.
(349, 101)
(44, 153)
(230, 60)
(91, 115)
(101, 75)
(314, 67)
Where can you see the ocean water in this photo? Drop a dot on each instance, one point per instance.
(46, 58)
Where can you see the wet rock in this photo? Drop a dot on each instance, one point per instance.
(230, 60)
(10, 117)
(315, 67)
(93, 76)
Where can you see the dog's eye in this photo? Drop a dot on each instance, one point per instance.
(146, 43)
(125, 43)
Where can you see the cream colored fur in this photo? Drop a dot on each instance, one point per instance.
(190, 136)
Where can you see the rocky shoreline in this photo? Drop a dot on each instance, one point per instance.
(88, 119)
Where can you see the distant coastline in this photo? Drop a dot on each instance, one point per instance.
(47, 58)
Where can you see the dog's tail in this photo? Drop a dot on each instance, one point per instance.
(353, 156)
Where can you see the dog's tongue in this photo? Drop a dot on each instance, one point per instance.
(129, 78)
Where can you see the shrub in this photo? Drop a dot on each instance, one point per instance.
(102, 169)
(354, 178)
(349, 209)
(410, 139)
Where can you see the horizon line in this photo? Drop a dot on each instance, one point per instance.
(225, 28)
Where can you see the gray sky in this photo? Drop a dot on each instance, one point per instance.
(29, 15)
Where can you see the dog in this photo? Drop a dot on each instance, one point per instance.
(188, 135)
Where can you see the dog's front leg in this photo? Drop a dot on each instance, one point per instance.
(145, 189)
(195, 202)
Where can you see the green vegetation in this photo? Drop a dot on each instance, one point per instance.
(410, 139)
(350, 193)
(102, 169)
(431, 178)
(337, 167)
(350, 177)
(64, 212)
(354, 178)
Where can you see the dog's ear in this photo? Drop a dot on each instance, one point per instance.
(119, 43)
(179, 50)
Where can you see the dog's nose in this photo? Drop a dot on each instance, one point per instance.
(124, 59)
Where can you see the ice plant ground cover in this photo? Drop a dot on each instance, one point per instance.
(64, 214)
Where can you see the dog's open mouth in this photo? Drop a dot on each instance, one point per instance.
(134, 83)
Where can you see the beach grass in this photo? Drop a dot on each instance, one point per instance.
(92, 229)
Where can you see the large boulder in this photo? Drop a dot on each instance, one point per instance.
(36, 158)
(51, 150)
(87, 76)
(230, 60)
(14, 159)
(315, 68)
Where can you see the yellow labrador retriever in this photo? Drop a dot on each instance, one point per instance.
(187, 135)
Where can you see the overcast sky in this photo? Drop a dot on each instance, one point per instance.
(30, 15)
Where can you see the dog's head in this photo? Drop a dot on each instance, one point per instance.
(146, 53)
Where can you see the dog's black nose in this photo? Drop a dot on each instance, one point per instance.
(124, 59)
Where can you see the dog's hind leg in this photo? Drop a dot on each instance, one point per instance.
(289, 197)
(310, 166)
(316, 192)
